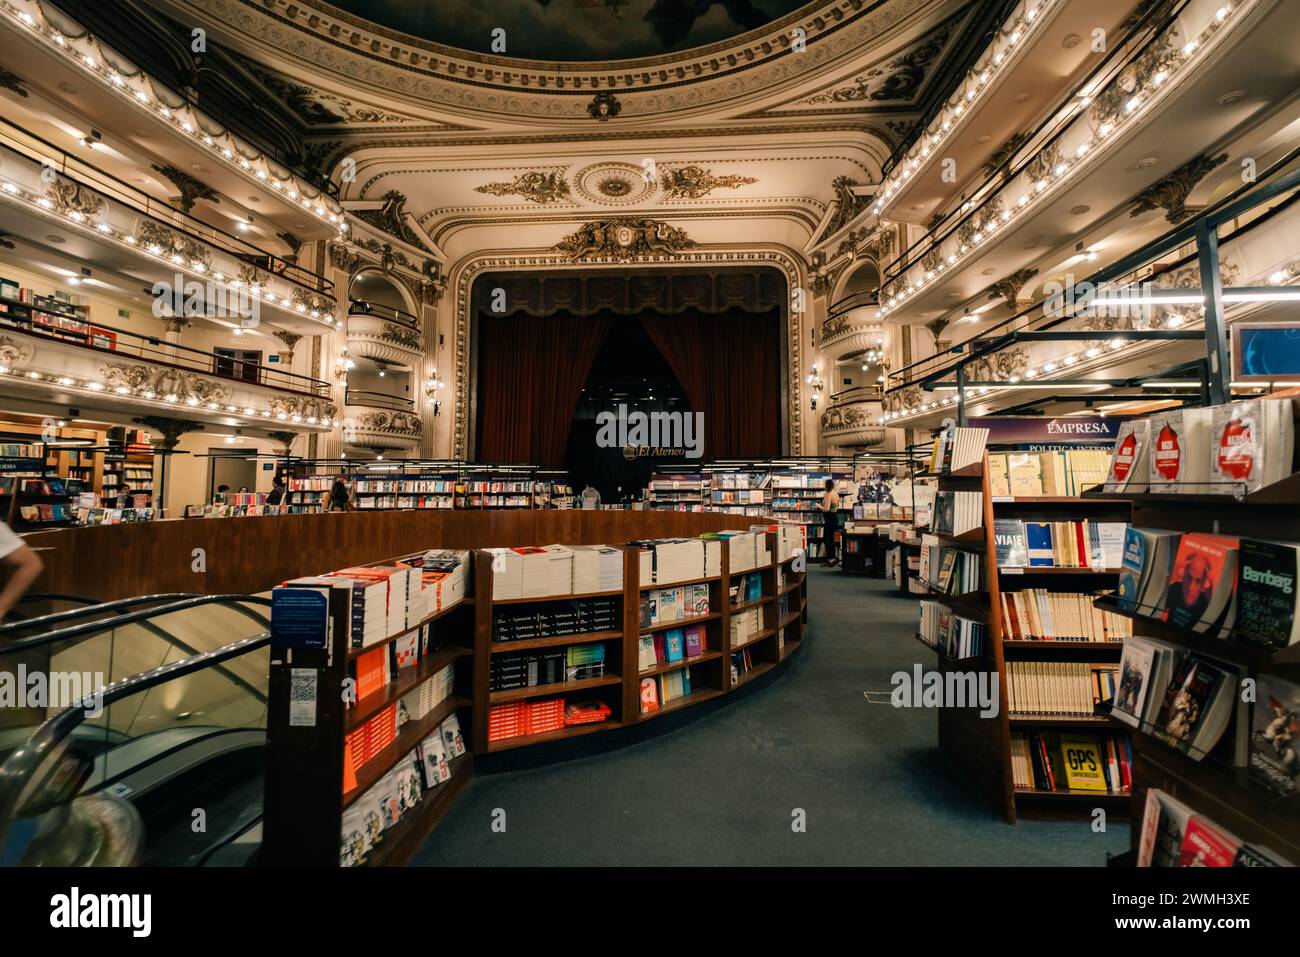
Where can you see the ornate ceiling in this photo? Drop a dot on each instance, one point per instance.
(574, 30)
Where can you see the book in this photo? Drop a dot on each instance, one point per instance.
(1164, 821)
(1199, 595)
(1038, 543)
(1147, 563)
(649, 695)
(1136, 668)
(1009, 541)
(1274, 763)
(1180, 449)
(646, 653)
(1198, 702)
(1252, 444)
(1266, 594)
(1129, 469)
(1205, 844)
(1082, 759)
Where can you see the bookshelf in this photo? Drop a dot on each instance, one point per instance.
(1215, 786)
(983, 748)
(681, 492)
(425, 490)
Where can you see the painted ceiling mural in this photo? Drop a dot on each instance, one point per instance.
(573, 30)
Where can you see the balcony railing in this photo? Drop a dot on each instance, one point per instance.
(853, 418)
(378, 400)
(1043, 152)
(364, 307)
(24, 143)
(109, 341)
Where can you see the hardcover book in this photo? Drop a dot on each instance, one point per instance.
(1200, 586)
(1274, 762)
(1129, 468)
(1266, 594)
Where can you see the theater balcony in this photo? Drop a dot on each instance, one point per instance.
(375, 420)
(56, 360)
(853, 326)
(853, 419)
(384, 333)
(124, 231)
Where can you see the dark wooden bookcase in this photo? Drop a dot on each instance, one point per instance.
(1213, 786)
(981, 747)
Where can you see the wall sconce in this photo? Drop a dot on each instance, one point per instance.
(432, 385)
(814, 381)
(342, 366)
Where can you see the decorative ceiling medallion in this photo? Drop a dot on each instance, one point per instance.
(695, 182)
(624, 239)
(614, 184)
(536, 187)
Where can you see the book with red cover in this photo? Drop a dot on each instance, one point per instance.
(1205, 845)
(1201, 583)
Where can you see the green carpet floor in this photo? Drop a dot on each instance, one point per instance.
(721, 787)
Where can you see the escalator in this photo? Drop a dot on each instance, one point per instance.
(163, 765)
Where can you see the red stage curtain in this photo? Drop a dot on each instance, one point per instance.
(531, 371)
(729, 367)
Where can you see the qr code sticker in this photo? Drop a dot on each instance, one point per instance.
(302, 698)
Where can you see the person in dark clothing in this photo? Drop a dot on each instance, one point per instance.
(339, 499)
(277, 492)
(830, 509)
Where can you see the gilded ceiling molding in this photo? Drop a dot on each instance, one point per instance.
(391, 218)
(536, 187)
(348, 48)
(898, 80)
(695, 182)
(191, 189)
(13, 82)
(623, 240)
(1004, 153)
(1009, 288)
(614, 184)
(1170, 193)
(848, 205)
(467, 270)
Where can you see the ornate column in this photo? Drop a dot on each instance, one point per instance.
(170, 431)
(431, 394)
(290, 340)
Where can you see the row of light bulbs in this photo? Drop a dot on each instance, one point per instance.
(896, 298)
(174, 259)
(976, 80)
(171, 398)
(185, 118)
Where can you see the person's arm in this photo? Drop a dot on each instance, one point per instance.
(24, 566)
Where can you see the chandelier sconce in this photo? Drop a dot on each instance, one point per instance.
(815, 382)
(432, 386)
(342, 366)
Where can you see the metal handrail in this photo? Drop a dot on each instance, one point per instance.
(855, 301)
(364, 307)
(1241, 200)
(24, 762)
(379, 400)
(38, 149)
(95, 627)
(868, 393)
(1120, 56)
(43, 621)
(156, 350)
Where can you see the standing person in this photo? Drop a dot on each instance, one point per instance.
(830, 509)
(220, 497)
(590, 497)
(22, 566)
(340, 499)
(277, 491)
(123, 499)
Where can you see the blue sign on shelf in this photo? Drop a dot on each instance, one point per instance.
(299, 618)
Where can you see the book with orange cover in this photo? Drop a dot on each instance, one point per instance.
(372, 672)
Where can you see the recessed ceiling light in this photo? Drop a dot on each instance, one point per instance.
(1232, 96)
(1071, 40)
(988, 272)
(68, 88)
(1079, 210)
(1147, 162)
(59, 240)
(1022, 97)
(983, 139)
(141, 134)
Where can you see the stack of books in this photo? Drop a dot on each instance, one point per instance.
(596, 568)
(527, 669)
(584, 661)
(555, 619)
(671, 560)
(675, 644)
(745, 625)
(956, 513)
(523, 718)
(956, 449)
(749, 588)
(444, 575)
(1059, 473)
(420, 701)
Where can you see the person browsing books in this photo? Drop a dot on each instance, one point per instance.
(590, 497)
(277, 491)
(340, 499)
(830, 509)
(21, 565)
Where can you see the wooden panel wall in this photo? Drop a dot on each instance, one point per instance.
(244, 555)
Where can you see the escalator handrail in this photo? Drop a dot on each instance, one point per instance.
(26, 760)
(95, 627)
(70, 614)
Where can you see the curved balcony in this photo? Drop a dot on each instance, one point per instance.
(852, 419)
(384, 334)
(852, 326)
(125, 230)
(50, 356)
(373, 420)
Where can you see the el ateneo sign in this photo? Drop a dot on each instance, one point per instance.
(1042, 431)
